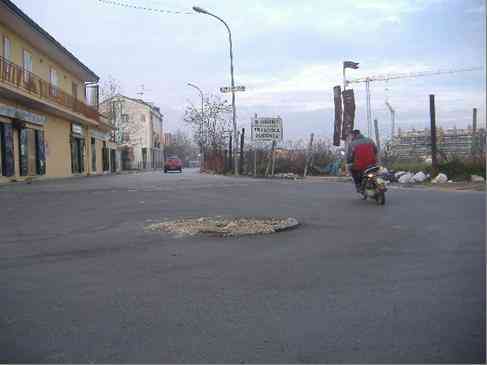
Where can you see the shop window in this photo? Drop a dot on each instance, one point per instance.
(23, 149)
(144, 157)
(41, 152)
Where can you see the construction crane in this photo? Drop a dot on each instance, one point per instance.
(392, 76)
(393, 118)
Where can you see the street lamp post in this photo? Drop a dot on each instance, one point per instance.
(202, 157)
(203, 11)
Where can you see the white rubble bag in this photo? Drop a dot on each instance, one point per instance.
(440, 179)
(419, 177)
(406, 178)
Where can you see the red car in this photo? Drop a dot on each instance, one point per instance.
(173, 163)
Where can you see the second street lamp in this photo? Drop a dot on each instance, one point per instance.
(203, 11)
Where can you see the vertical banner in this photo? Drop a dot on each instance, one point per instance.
(337, 96)
(348, 112)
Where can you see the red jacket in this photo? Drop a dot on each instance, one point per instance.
(362, 153)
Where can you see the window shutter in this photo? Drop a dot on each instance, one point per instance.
(7, 150)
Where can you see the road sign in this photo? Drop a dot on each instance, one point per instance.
(267, 129)
(228, 89)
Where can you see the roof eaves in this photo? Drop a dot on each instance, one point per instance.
(46, 35)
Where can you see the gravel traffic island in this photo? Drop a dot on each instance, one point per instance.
(224, 226)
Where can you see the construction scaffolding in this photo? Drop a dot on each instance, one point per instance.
(416, 144)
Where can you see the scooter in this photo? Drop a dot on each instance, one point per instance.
(373, 186)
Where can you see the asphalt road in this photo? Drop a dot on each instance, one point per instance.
(81, 281)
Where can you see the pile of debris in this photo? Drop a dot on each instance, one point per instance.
(290, 176)
(405, 177)
(224, 226)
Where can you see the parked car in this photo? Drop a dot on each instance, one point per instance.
(173, 163)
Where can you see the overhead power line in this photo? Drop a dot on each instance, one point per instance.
(138, 7)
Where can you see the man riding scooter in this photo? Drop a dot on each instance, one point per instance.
(361, 154)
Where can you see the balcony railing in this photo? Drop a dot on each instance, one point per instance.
(19, 77)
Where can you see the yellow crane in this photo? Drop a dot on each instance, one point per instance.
(393, 118)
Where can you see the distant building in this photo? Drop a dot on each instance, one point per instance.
(138, 127)
(452, 141)
(168, 139)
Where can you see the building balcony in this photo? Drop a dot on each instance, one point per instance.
(25, 84)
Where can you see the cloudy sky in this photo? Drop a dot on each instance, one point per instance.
(288, 54)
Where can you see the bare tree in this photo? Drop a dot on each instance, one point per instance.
(109, 88)
(129, 130)
(211, 127)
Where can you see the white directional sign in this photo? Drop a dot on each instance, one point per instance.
(228, 89)
(267, 129)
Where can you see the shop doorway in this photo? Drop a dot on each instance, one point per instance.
(77, 155)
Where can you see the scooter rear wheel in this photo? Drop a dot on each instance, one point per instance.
(380, 198)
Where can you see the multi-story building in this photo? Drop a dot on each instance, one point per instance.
(168, 139)
(47, 126)
(452, 141)
(138, 128)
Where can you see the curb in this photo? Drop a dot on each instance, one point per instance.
(292, 223)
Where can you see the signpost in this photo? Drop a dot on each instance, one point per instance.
(228, 89)
(266, 129)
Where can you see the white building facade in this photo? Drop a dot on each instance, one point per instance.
(138, 130)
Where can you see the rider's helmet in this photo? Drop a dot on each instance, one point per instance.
(356, 133)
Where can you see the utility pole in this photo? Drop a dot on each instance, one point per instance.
(202, 150)
(475, 140)
(369, 107)
(310, 146)
(242, 141)
(393, 119)
(474, 120)
(230, 152)
(234, 112)
(433, 135)
(273, 162)
(254, 143)
(269, 161)
(255, 160)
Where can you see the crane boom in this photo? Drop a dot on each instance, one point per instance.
(405, 75)
(392, 76)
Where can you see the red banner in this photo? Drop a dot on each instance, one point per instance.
(348, 112)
